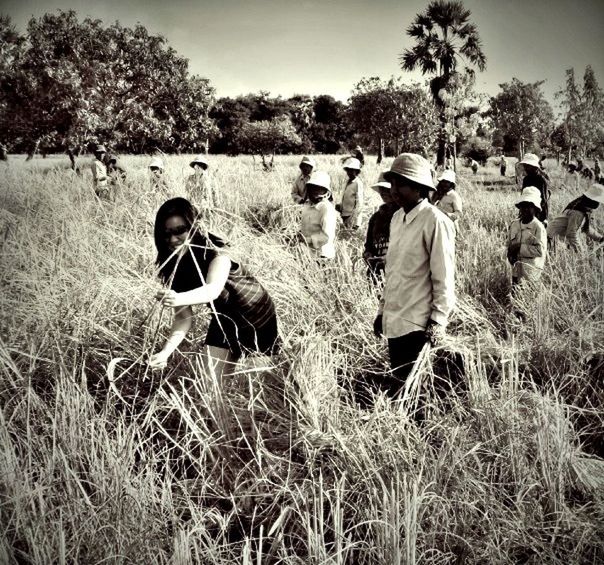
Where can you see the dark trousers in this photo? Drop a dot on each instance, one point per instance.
(403, 352)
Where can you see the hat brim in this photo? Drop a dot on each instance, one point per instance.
(379, 185)
(390, 175)
(538, 206)
(595, 198)
(309, 185)
(205, 165)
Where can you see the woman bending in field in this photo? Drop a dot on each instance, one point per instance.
(196, 269)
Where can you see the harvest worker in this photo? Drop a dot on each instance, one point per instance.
(197, 269)
(115, 171)
(419, 291)
(533, 175)
(351, 206)
(503, 165)
(157, 174)
(299, 188)
(527, 238)
(474, 166)
(447, 200)
(198, 188)
(378, 232)
(99, 172)
(319, 217)
(577, 217)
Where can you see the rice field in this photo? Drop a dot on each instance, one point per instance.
(105, 461)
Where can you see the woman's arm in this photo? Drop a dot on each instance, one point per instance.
(183, 318)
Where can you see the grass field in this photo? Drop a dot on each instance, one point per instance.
(280, 465)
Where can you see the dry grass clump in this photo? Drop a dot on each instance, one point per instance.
(103, 459)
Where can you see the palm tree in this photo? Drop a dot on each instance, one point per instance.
(444, 37)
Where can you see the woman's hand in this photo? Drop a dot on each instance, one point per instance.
(159, 360)
(169, 298)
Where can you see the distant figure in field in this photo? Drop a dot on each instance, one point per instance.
(597, 170)
(3, 152)
(474, 166)
(307, 165)
(115, 171)
(446, 198)
(580, 164)
(542, 162)
(419, 291)
(196, 269)
(156, 168)
(576, 218)
(527, 238)
(378, 232)
(503, 165)
(532, 174)
(353, 197)
(99, 173)
(356, 153)
(319, 217)
(199, 190)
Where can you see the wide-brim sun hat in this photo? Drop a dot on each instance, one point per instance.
(100, 149)
(412, 167)
(352, 163)
(595, 192)
(199, 160)
(320, 179)
(532, 195)
(530, 159)
(308, 161)
(381, 183)
(157, 162)
(447, 175)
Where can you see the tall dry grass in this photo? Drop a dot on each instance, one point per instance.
(280, 465)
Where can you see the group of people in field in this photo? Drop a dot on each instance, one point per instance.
(409, 250)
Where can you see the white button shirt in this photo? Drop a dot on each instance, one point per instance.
(420, 271)
(318, 226)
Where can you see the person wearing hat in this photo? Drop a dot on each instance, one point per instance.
(319, 217)
(447, 200)
(503, 164)
(576, 217)
(378, 232)
(198, 189)
(351, 206)
(299, 187)
(156, 167)
(474, 165)
(115, 171)
(527, 238)
(99, 172)
(531, 173)
(419, 290)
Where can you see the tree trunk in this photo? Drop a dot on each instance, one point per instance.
(380, 154)
(442, 138)
(455, 156)
(33, 150)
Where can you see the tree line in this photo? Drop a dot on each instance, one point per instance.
(66, 83)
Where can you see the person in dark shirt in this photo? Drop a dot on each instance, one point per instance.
(196, 269)
(533, 175)
(378, 232)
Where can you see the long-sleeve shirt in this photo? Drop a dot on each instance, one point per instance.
(318, 227)
(538, 180)
(99, 174)
(200, 190)
(299, 188)
(451, 205)
(532, 241)
(352, 202)
(420, 271)
(568, 225)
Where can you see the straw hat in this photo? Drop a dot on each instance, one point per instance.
(447, 175)
(530, 159)
(532, 195)
(100, 149)
(595, 192)
(320, 179)
(412, 167)
(157, 162)
(381, 183)
(352, 163)
(199, 160)
(308, 161)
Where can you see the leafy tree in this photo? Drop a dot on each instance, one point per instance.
(521, 114)
(328, 131)
(444, 35)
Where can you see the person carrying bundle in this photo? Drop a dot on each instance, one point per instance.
(299, 187)
(196, 268)
(576, 218)
(319, 217)
(446, 199)
(351, 206)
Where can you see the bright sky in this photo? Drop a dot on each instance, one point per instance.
(324, 47)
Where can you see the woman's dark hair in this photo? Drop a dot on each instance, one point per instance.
(173, 207)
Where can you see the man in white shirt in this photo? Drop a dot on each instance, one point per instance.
(99, 172)
(419, 291)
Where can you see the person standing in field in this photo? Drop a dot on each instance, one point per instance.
(299, 187)
(378, 232)
(351, 206)
(447, 199)
(576, 218)
(199, 190)
(419, 291)
(99, 172)
(156, 168)
(196, 268)
(532, 174)
(527, 239)
(474, 166)
(116, 173)
(319, 217)
(503, 165)
(597, 170)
